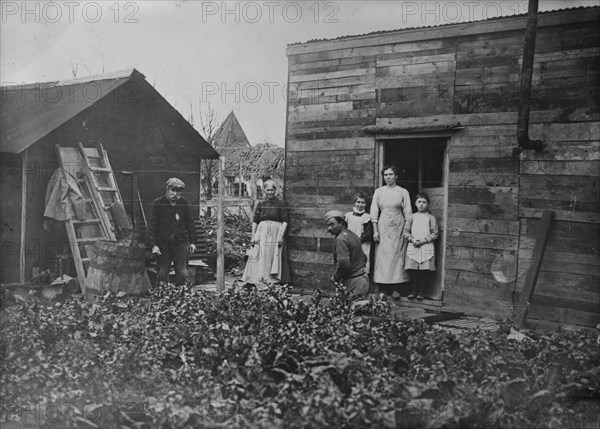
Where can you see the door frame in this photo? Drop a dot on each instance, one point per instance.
(380, 141)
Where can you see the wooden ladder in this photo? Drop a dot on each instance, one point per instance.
(103, 185)
(92, 171)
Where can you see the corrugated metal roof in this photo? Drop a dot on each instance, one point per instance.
(29, 112)
(380, 32)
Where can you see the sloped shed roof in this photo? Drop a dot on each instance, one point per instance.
(29, 112)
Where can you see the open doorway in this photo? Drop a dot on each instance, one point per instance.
(423, 167)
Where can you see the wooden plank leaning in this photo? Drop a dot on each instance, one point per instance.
(534, 270)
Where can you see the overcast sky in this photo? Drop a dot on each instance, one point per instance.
(229, 54)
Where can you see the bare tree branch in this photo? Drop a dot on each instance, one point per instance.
(208, 124)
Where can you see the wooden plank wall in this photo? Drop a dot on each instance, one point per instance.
(564, 179)
(11, 190)
(496, 200)
(467, 74)
(483, 219)
(328, 158)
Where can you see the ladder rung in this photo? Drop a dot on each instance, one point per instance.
(85, 260)
(86, 221)
(101, 169)
(107, 188)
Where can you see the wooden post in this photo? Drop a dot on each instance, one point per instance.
(253, 189)
(200, 190)
(220, 229)
(24, 166)
(241, 179)
(534, 270)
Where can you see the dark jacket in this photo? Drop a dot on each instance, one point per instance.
(171, 223)
(348, 256)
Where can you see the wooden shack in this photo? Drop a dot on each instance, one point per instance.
(441, 103)
(146, 138)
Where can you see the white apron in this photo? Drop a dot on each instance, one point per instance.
(264, 259)
(420, 230)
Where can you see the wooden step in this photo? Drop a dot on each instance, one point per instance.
(107, 188)
(90, 240)
(100, 169)
(85, 222)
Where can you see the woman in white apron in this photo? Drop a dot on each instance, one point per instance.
(389, 209)
(267, 260)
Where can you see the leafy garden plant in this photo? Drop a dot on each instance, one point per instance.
(187, 358)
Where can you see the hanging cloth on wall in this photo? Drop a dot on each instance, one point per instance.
(64, 199)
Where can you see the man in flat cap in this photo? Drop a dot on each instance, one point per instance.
(172, 233)
(348, 255)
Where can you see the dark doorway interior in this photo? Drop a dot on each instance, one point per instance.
(421, 168)
(420, 163)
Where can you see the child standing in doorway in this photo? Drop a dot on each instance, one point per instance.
(359, 222)
(421, 231)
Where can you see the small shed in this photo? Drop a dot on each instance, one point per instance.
(147, 141)
(442, 104)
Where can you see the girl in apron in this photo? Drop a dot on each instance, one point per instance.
(421, 231)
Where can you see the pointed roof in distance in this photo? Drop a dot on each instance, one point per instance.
(230, 135)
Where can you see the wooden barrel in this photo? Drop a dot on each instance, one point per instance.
(118, 267)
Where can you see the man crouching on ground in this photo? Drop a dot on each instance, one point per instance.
(172, 233)
(348, 256)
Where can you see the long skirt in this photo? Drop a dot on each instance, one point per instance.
(390, 252)
(267, 262)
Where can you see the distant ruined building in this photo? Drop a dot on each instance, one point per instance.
(246, 166)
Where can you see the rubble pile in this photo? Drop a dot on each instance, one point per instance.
(236, 241)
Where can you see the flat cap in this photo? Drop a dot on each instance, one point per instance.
(333, 213)
(174, 182)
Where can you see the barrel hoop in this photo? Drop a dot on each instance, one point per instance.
(110, 265)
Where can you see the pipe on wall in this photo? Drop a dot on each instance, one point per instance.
(525, 143)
